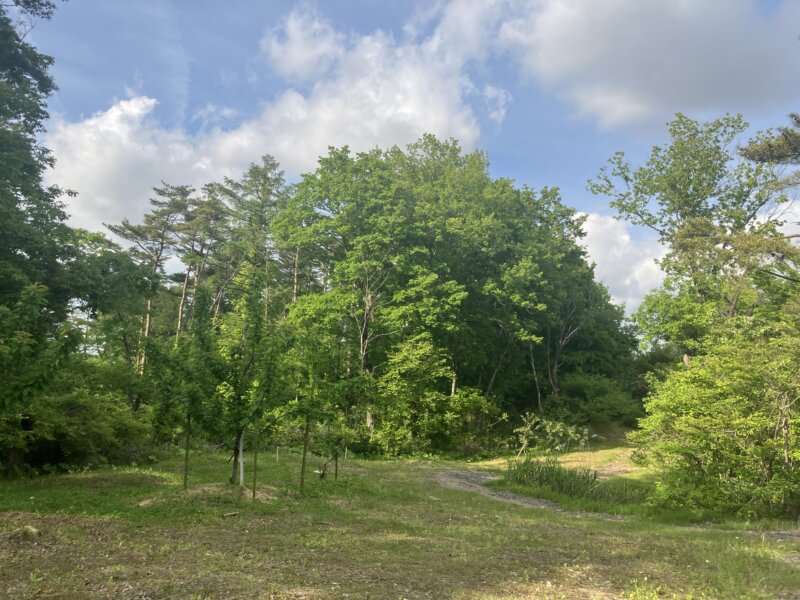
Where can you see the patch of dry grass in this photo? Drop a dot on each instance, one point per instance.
(381, 531)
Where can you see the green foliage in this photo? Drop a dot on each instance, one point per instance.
(548, 435)
(597, 399)
(576, 483)
(721, 427)
(724, 430)
(782, 147)
(80, 418)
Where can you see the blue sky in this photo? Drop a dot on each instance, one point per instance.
(189, 92)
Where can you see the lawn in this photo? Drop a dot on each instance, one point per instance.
(385, 529)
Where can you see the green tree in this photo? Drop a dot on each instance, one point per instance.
(34, 241)
(720, 426)
(782, 147)
(153, 242)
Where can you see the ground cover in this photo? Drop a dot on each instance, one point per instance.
(385, 529)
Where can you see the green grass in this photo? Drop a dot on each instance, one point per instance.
(386, 529)
(575, 482)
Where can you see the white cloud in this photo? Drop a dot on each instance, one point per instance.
(211, 114)
(303, 47)
(114, 158)
(466, 30)
(621, 61)
(496, 100)
(377, 92)
(626, 265)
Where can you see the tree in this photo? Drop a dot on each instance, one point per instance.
(725, 428)
(35, 243)
(722, 425)
(153, 241)
(717, 215)
(782, 148)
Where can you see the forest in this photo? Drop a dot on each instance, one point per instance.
(402, 302)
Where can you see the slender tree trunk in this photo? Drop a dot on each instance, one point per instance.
(186, 452)
(142, 356)
(181, 304)
(535, 379)
(306, 436)
(336, 464)
(238, 442)
(241, 459)
(295, 270)
(497, 369)
(370, 422)
(255, 464)
(552, 368)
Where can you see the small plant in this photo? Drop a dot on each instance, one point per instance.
(574, 482)
(549, 435)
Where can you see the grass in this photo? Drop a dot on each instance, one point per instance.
(575, 482)
(384, 530)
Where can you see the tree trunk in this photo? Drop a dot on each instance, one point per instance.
(295, 268)
(336, 464)
(238, 442)
(255, 464)
(370, 421)
(186, 452)
(184, 289)
(497, 369)
(535, 379)
(552, 368)
(142, 357)
(306, 436)
(241, 459)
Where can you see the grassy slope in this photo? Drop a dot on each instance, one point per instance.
(385, 530)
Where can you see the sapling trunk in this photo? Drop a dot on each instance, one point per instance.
(306, 435)
(186, 453)
(336, 464)
(255, 465)
(237, 455)
(241, 460)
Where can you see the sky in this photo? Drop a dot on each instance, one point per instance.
(189, 92)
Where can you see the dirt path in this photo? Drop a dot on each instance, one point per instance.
(473, 481)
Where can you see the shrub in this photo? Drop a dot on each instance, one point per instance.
(723, 429)
(549, 435)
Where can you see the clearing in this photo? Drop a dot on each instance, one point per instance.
(385, 529)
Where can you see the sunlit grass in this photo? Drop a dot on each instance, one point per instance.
(385, 529)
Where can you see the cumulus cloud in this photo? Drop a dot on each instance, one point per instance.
(211, 114)
(496, 100)
(115, 157)
(376, 92)
(303, 47)
(626, 265)
(621, 61)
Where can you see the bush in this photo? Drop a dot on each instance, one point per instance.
(76, 422)
(549, 435)
(589, 398)
(76, 429)
(723, 429)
